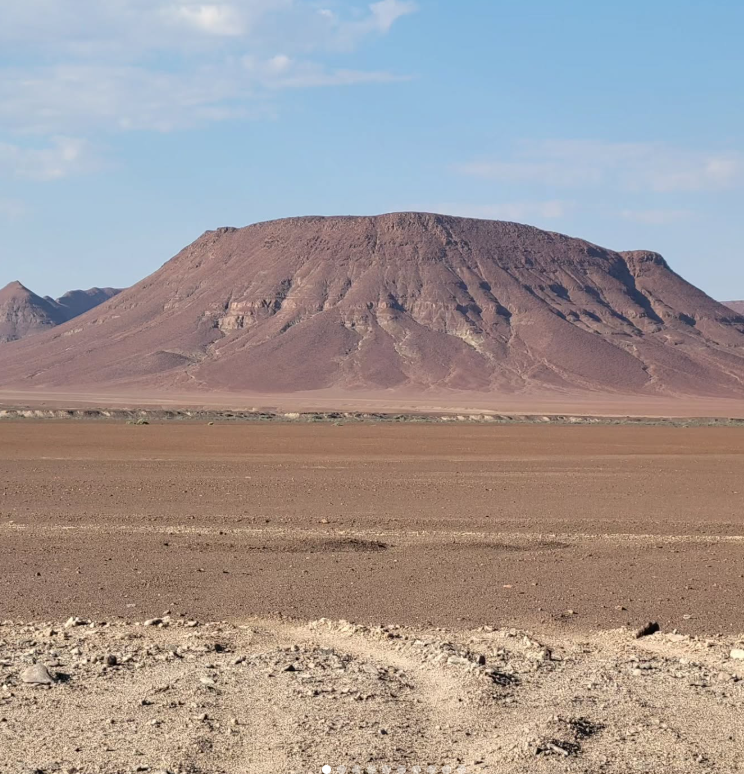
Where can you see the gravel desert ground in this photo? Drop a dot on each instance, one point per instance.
(494, 574)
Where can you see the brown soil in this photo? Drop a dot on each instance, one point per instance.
(530, 544)
(444, 525)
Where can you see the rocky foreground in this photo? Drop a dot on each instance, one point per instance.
(176, 695)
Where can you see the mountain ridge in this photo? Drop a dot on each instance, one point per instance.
(24, 313)
(403, 301)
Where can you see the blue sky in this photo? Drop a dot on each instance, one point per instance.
(129, 127)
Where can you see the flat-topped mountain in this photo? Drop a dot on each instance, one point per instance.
(411, 301)
(23, 313)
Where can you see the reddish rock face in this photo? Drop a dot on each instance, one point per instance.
(415, 301)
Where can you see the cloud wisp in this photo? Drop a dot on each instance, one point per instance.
(654, 167)
(56, 159)
(86, 67)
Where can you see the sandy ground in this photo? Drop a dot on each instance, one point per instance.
(568, 533)
(415, 525)
(444, 402)
(281, 697)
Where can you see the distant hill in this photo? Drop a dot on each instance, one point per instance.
(77, 302)
(23, 313)
(411, 301)
(737, 306)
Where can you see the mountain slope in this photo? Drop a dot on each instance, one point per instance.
(737, 306)
(23, 313)
(410, 301)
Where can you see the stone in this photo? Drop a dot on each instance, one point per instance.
(737, 654)
(647, 630)
(111, 660)
(37, 674)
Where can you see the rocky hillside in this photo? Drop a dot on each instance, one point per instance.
(23, 313)
(411, 301)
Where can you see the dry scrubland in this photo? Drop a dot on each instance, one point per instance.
(495, 576)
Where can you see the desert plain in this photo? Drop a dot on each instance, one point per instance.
(283, 596)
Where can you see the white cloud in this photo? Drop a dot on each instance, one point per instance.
(119, 65)
(61, 157)
(125, 29)
(628, 166)
(657, 217)
(212, 19)
(517, 211)
(283, 72)
(80, 98)
(378, 19)
(386, 12)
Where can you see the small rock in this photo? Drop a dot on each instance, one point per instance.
(37, 674)
(153, 622)
(458, 661)
(647, 630)
(111, 660)
(737, 654)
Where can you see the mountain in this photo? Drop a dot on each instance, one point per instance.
(77, 302)
(411, 301)
(737, 306)
(23, 313)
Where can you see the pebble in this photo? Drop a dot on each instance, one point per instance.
(737, 654)
(37, 674)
